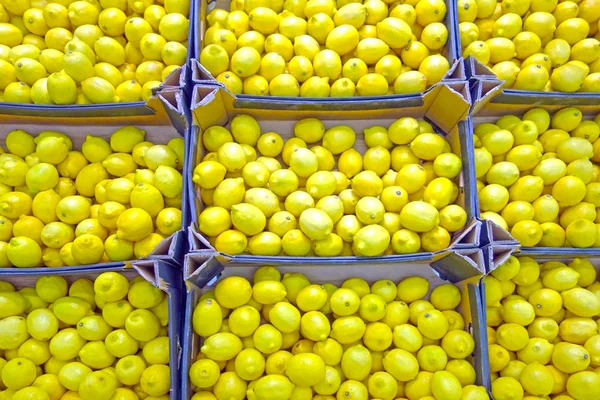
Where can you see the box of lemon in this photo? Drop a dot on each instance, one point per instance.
(92, 191)
(542, 327)
(109, 333)
(75, 54)
(533, 46)
(385, 183)
(326, 54)
(537, 171)
(404, 330)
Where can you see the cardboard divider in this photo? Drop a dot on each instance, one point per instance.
(203, 272)
(162, 275)
(487, 108)
(169, 119)
(199, 75)
(212, 105)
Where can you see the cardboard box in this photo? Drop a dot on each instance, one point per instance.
(162, 275)
(487, 109)
(163, 118)
(203, 273)
(200, 75)
(540, 258)
(211, 105)
(176, 80)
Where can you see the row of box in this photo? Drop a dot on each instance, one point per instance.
(169, 114)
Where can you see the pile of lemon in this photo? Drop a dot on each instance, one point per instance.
(285, 338)
(324, 48)
(543, 330)
(82, 52)
(396, 198)
(538, 177)
(93, 340)
(108, 202)
(539, 45)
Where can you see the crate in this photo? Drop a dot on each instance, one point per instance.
(203, 272)
(488, 110)
(176, 80)
(199, 75)
(162, 275)
(163, 118)
(211, 105)
(540, 257)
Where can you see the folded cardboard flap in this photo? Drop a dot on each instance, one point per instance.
(477, 70)
(482, 92)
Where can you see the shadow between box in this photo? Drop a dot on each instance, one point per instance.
(165, 276)
(211, 105)
(169, 118)
(461, 268)
(199, 75)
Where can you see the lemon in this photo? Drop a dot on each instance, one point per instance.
(313, 86)
(252, 39)
(15, 204)
(292, 26)
(20, 92)
(267, 339)
(24, 252)
(294, 242)
(354, 69)
(327, 64)
(278, 386)
(250, 364)
(20, 143)
(372, 85)
(271, 65)
(419, 216)
(371, 240)
(582, 384)
(18, 373)
(305, 369)
(284, 85)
